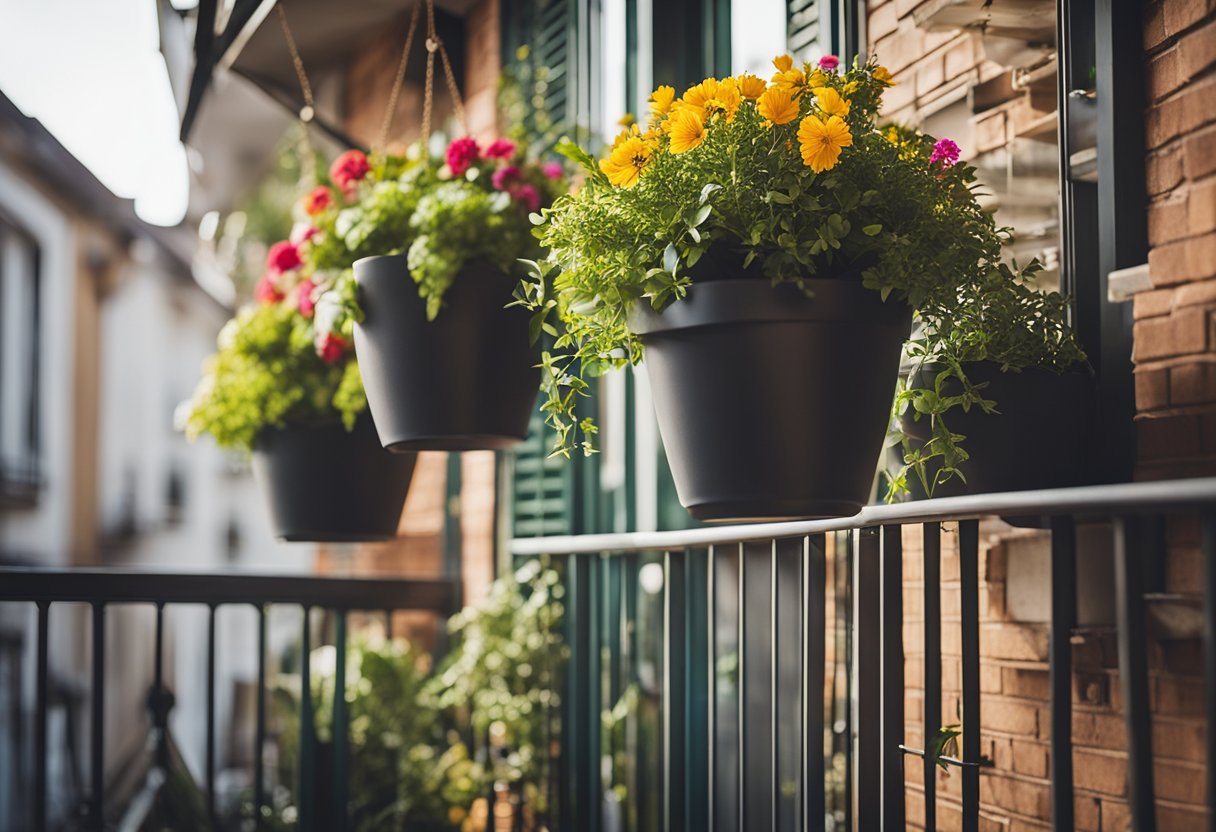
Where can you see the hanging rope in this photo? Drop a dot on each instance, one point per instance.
(435, 44)
(309, 111)
(391, 112)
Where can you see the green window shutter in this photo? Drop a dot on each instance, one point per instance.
(541, 486)
(538, 42)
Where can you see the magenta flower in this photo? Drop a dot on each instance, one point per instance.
(504, 176)
(462, 153)
(304, 302)
(552, 170)
(528, 195)
(282, 257)
(266, 292)
(828, 63)
(945, 151)
(500, 149)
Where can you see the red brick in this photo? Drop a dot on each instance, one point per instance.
(1030, 758)
(1194, 294)
(1167, 437)
(1086, 813)
(1191, 383)
(901, 48)
(930, 74)
(1152, 389)
(1201, 208)
(1182, 333)
(1026, 797)
(1099, 730)
(1178, 781)
(961, 55)
(1164, 73)
(1154, 26)
(1025, 682)
(1197, 51)
(1168, 218)
(1010, 716)
(1183, 572)
(1100, 772)
(1179, 15)
(1199, 154)
(1174, 695)
(1182, 113)
(1164, 170)
(1153, 303)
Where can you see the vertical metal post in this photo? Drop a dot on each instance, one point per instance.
(44, 623)
(933, 663)
(210, 750)
(787, 725)
(969, 609)
(675, 680)
(867, 681)
(97, 748)
(1209, 656)
(814, 605)
(259, 741)
(307, 787)
(892, 678)
(1063, 619)
(1133, 676)
(711, 685)
(388, 624)
(159, 702)
(341, 729)
(755, 686)
(696, 689)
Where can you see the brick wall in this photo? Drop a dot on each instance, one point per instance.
(1175, 356)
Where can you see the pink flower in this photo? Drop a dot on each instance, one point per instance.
(302, 232)
(462, 153)
(552, 170)
(348, 169)
(945, 151)
(504, 176)
(528, 195)
(266, 292)
(317, 200)
(306, 304)
(282, 257)
(331, 348)
(828, 63)
(500, 149)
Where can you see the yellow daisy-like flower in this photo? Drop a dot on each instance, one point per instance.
(783, 63)
(883, 76)
(698, 95)
(831, 101)
(851, 87)
(822, 141)
(778, 105)
(725, 101)
(687, 130)
(817, 78)
(661, 99)
(891, 135)
(750, 87)
(625, 163)
(793, 80)
(627, 120)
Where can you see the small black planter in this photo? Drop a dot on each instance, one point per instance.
(1038, 439)
(771, 404)
(464, 381)
(327, 485)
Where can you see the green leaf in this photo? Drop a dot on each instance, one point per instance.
(670, 258)
(872, 230)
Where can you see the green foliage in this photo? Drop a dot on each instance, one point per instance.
(266, 375)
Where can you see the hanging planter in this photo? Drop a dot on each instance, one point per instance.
(463, 381)
(745, 378)
(1036, 439)
(325, 484)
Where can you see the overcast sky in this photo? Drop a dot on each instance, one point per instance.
(91, 72)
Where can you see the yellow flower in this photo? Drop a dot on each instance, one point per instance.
(822, 141)
(817, 78)
(626, 162)
(851, 87)
(831, 102)
(778, 105)
(698, 95)
(883, 76)
(660, 100)
(627, 120)
(624, 136)
(783, 63)
(892, 135)
(687, 130)
(750, 86)
(725, 100)
(791, 79)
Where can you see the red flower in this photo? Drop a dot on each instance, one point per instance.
(305, 302)
(829, 63)
(348, 169)
(282, 257)
(317, 200)
(946, 152)
(500, 149)
(462, 153)
(266, 292)
(331, 348)
(528, 195)
(552, 170)
(504, 176)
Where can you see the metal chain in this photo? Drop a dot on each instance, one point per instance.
(391, 112)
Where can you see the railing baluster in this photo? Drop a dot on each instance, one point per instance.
(711, 685)
(933, 664)
(787, 678)
(755, 690)
(696, 738)
(44, 624)
(307, 786)
(210, 750)
(1209, 656)
(1133, 675)
(1063, 619)
(388, 625)
(867, 680)
(259, 741)
(892, 678)
(675, 678)
(160, 706)
(969, 609)
(341, 730)
(814, 603)
(97, 749)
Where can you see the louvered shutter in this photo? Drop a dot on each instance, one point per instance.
(803, 29)
(538, 40)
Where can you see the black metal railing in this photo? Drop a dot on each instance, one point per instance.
(741, 741)
(101, 589)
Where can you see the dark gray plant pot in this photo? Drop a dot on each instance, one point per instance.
(324, 484)
(773, 405)
(465, 381)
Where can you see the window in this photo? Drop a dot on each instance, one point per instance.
(20, 473)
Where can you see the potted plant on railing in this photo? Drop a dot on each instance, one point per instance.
(294, 399)
(446, 365)
(765, 245)
(1006, 374)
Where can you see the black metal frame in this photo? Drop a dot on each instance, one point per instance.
(21, 486)
(103, 588)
